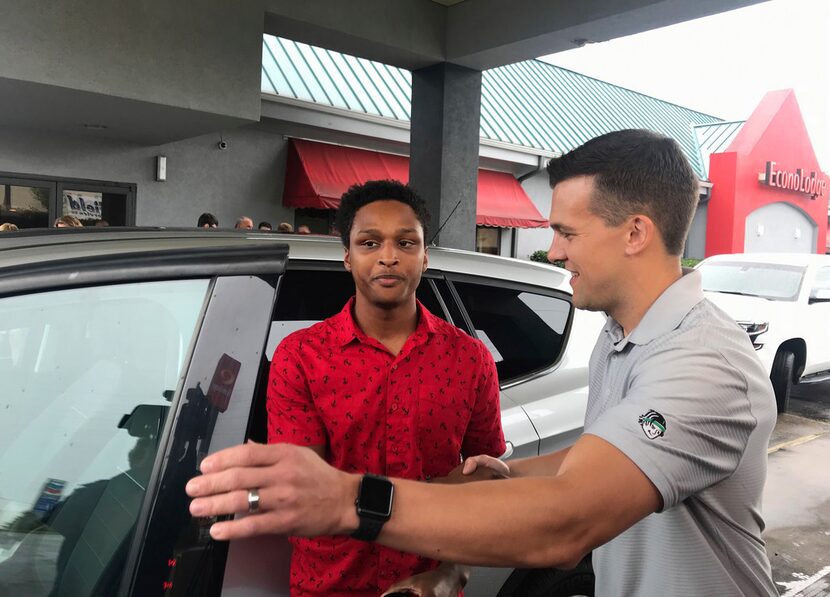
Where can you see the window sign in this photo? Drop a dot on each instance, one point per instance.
(82, 205)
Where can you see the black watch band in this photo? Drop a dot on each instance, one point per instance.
(369, 529)
(373, 505)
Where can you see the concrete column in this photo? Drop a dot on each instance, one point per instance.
(446, 108)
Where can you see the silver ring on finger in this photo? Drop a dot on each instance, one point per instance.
(253, 500)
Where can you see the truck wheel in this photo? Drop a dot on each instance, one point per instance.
(781, 377)
(578, 582)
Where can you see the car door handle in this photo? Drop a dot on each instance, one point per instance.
(508, 451)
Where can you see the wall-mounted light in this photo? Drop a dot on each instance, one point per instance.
(759, 230)
(161, 168)
(797, 234)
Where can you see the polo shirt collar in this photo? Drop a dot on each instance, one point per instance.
(664, 315)
(346, 329)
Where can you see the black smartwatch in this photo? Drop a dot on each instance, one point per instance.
(374, 506)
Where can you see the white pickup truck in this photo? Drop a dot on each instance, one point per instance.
(782, 300)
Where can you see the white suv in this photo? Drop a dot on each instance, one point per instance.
(782, 300)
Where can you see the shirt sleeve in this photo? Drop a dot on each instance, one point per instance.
(684, 421)
(484, 433)
(292, 415)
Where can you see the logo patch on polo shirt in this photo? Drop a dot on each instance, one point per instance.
(653, 424)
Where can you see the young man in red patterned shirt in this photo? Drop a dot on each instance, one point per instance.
(383, 387)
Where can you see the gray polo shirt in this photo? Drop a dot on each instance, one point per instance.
(685, 397)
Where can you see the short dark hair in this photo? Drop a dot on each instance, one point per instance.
(360, 195)
(207, 218)
(636, 171)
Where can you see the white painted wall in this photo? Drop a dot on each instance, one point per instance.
(779, 228)
(533, 239)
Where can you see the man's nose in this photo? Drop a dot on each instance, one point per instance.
(556, 251)
(389, 255)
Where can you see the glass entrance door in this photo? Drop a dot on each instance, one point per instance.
(98, 205)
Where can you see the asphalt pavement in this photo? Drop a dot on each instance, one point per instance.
(797, 495)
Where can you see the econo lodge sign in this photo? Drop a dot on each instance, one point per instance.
(796, 181)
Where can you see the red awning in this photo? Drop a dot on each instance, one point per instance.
(318, 174)
(503, 202)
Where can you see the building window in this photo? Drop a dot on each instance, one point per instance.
(37, 202)
(488, 240)
(24, 205)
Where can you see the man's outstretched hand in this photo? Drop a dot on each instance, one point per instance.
(299, 493)
(477, 468)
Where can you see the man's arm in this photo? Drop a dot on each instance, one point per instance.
(526, 522)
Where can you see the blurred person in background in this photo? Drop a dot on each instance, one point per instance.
(208, 220)
(68, 222)
(244, 223)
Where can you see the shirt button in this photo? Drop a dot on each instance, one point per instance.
(394, 408)
(394, 367)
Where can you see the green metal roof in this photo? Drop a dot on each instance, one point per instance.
(714, 138)
(531, 104)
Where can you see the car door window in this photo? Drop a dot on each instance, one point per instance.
(308, 296)
(85, 376)
(524, 329)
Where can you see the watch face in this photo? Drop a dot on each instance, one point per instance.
(375, 497)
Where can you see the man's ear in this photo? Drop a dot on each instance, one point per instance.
(640, 234)
(347, 262)
(426, 260)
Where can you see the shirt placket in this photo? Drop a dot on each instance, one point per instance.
(397, 455)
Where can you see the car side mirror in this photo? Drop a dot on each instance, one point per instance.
(819, 295)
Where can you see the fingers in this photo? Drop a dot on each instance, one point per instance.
(227, 481)
(498, 466)
(250, 526)
(250, 454)
(470, 466)
(295, 492)
(219, 505)
(401, 588)
(482, 461)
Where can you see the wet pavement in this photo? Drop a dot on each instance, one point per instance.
(797, 495)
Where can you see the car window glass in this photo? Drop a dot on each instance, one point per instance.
(822, 281)
(84, 374)
(451, 304)
(307, 297)
(524, 330)
(768, 280)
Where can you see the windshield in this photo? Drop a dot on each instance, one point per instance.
(766, 280)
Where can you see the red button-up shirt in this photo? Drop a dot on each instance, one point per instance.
(410, 416)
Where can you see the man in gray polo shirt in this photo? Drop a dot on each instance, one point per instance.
(664, 485)
(685, 398)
